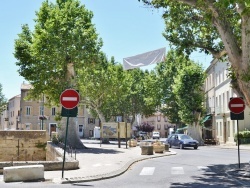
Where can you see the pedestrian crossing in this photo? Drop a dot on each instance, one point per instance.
(148, 171)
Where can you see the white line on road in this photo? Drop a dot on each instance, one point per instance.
(147, 171)
(203, 168)
(177, 170)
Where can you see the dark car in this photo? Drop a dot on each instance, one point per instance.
(182, 141)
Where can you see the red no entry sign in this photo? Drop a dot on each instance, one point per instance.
(69, 98)
(236, 105)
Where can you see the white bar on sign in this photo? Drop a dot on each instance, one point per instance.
(236, 105)
(69, 98)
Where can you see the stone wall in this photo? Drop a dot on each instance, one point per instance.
(53, 152)
(20, 145)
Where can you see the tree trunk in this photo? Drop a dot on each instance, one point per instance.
(195, 132)
(73, 139)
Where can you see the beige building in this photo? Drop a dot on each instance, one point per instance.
(9, 118)
(218, 93)
(160, 123)
(35, 115)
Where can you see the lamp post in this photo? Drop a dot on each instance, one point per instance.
(42, 110)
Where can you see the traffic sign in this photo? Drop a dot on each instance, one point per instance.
(236, 105)
(69, 98)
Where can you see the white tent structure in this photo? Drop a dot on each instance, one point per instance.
(148, 58)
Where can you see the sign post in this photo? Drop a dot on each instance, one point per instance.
(237, 107)
(69, 99)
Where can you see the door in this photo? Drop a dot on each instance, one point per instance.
(80, 130)
(52, 128)
(225, 132)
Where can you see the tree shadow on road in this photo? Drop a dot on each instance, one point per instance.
(219, 176)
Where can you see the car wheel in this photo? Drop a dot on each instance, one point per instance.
(181, 146)
(195, 147)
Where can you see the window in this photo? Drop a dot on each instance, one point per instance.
(27, 126)
(165, 119)
(80, 128)
(220, 129)
(165, 126)
(91, 120)
(158, 118)
(53, 111)
(28, 110)
(228, 129)
(159, 126)
(41, 110)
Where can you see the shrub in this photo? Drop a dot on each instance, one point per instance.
(242, 134)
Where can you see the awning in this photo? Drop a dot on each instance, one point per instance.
(182, 129)
(206, 128)
(208, 117)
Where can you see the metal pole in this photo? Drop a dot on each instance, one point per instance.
(238, 143)
(126, 134)
(43, 110)
(65, 143)
(119, 141)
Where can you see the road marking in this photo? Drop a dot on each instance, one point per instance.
(96, 165)
(69, 98)
(203, 168)
(147, 171)
(177, 170)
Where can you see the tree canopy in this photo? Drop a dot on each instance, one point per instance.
(220, 28)
(63, 40)
(3, 100)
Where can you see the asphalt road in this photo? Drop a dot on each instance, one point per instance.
(204, 167)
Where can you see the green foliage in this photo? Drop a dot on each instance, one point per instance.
(3, 100)
(181, 93)
(189, 92)
(220, 28)
(145, 127)
(190, 26)
(41, 145)
(63, 35)
(242, 134)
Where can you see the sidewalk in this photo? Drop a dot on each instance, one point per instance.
(101, 161)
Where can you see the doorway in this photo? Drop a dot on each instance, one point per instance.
(225, 132)
(52, 128)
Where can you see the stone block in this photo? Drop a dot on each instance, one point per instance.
(23, 173)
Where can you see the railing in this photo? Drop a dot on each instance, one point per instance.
(69, 149)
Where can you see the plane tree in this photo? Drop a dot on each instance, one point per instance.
(220, 28)
(181, 94)
(62, 42)
(189, 95)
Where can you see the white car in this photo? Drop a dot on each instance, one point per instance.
(156, 135)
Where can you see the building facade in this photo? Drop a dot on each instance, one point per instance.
(24, 114)
(218, 93)
(160, 123)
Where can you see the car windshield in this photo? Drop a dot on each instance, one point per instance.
(183, 137)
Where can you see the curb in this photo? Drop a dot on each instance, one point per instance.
(111, 174)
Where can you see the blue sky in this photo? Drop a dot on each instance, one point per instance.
(127, 28)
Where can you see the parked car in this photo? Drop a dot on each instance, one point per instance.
(142, 135)
(156, 135)
(182, 141)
